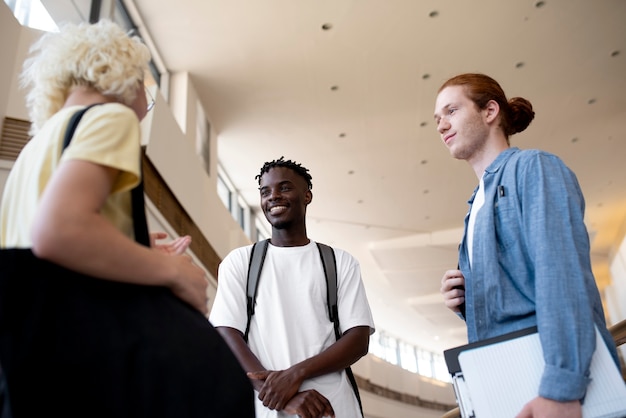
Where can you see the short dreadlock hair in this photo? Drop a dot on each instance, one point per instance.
(281, 162)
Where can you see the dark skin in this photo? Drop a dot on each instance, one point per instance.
(285, 196)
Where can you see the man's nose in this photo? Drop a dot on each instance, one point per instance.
(442, 125)
(274, 193)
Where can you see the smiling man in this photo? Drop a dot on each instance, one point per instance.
(292, 357)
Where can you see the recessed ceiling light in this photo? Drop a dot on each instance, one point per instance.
(434, 13)
(425, 76)
(342, 135)
(426, 191)
(591, 101)
(519, 64)
(540, 4)
(334, 88)
(327, 26)
(574, 140)
(351, 172)
(423, 124)
(615, 53)
(424, 162)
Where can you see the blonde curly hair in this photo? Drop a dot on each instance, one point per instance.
(100, 56)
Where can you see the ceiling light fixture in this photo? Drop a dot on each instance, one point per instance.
(327, 26)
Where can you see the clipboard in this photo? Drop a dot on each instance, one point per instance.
(496, 377)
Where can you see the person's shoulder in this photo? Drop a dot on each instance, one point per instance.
(537, 156)
(239, 252)
(533, 153)
(340, 253)
(115, 111)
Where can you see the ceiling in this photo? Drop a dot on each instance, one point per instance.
(347, 88)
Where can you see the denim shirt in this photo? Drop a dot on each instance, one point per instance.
(531, 266)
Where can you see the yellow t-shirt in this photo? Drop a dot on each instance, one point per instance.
(107, 134)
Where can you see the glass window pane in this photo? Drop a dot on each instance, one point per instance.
(424, 363)
(224, 193)
(441, 369)
(391, 350)
(408, 360)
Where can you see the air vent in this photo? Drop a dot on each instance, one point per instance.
(14, 137)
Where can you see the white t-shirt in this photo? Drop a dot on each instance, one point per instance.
(479, 201)
(291, 320)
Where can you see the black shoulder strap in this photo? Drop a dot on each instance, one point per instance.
(140, 224)
(73, 123)
(330, 271)
(257, 256)
(329, 263)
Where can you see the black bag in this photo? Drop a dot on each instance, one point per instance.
(86, 347)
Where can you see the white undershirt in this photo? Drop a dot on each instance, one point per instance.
(479, 201)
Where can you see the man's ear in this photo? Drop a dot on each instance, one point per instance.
(308, 196)
(492, 110)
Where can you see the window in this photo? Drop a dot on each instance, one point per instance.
(408, 356)
(33, 14)
(124, 19)
(408, 359)
(424, 362)
(440, 368)
(224, 193)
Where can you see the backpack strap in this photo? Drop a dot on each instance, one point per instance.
(330, 272)
(73, 123)
(140, 225)
(257, 256)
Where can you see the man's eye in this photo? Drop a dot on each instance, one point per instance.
(285, 189)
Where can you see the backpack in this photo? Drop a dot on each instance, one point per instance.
(257, 257)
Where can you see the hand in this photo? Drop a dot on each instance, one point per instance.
(278, 387)
(547, 408)
(178, 246)
(453, 289)
(309, 404)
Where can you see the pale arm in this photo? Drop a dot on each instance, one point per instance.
(70, 231)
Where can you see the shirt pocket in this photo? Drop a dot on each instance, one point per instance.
(507, 222)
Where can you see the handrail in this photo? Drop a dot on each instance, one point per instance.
(618, 331)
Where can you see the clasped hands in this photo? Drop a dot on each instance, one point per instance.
(279, 391)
